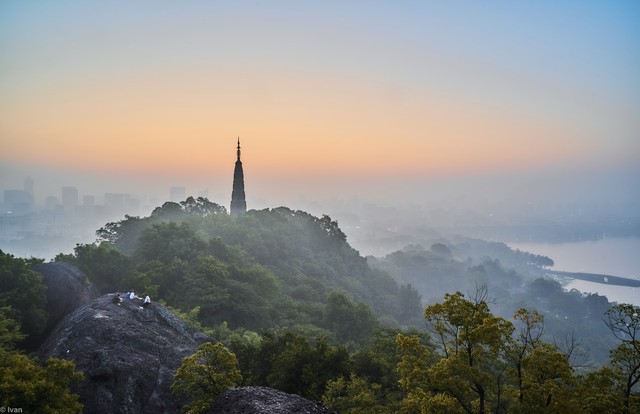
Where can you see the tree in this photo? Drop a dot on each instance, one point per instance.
(303, 368)
(27, 385)
(599, 392)
(165, 241)
(201, 207)
(470, 338)
(623, 321)
(377, 361)
(332, 229)
(23, 290)
(289, 362)
(441, 249)
(349, 321)
(204, 375)
(36, 389)
(409, 303)
(10, 333)
(416, 360)
(103, 264)
(527, 338)
(123, 234)
(353, 396)
(547, 383)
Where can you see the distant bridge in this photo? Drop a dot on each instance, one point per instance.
(599, 278)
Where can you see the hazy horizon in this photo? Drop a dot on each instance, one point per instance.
(491, 106)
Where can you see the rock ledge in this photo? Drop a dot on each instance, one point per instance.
(263, 400)
(128, 354)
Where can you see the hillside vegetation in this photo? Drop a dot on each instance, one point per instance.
(514, 280)
(299, 310)
(265, 269)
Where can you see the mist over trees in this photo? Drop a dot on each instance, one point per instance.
(515, 279)
(266, 268)
(463, 326)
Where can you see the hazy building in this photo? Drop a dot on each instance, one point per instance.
(238, 203)
(88, 201)
(28, 188)
(69, 199)
(115, 201)
(177, 194)
(17, 201)
(51, 202)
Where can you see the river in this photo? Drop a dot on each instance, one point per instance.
(611, 256)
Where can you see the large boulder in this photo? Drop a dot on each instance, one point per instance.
(263, 400)
(67, 289)
(128, 354)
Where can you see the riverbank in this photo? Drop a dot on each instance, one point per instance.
(585, 265)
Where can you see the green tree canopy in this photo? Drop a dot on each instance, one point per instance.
(23, 290)
(204, 375)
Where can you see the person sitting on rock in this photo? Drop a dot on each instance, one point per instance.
(132, 295)
(117, 299)
(147, 301)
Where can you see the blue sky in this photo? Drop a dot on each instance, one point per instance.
(336, 91)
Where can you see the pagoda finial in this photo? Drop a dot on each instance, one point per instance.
(238, 148)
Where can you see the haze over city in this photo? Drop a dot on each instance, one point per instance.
(496, 106)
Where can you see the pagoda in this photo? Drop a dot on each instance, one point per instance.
(238, 203)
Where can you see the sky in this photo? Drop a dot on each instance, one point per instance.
(397, 101)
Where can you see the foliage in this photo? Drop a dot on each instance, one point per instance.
(600, 392)
(320, 308)
(547, 383)
(349, 321)
(272, 267)
(103, 264)
(624, 322)
(485, 363)
(517, 279)
(10, 333)
(25, 384)
(288, 361)
(353, 396)
(204, 375)
(377, 361)
(23, 290)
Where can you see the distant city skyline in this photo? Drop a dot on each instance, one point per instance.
(400, 103)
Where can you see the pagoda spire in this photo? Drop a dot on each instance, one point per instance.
(238, 202)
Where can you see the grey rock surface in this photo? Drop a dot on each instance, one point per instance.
(67, 289)
(263, 400)
(128, 354)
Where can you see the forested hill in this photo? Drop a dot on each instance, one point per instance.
(265, 269)
(300, 308)
(514, 280)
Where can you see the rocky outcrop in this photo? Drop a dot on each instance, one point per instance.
(128, 354)
(262, 400)
(67, 289)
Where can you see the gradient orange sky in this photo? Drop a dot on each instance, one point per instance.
(339, 89)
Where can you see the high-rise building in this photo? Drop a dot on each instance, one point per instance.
(238, 203)
(17, 201)
(69, 199)
(28, 188)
